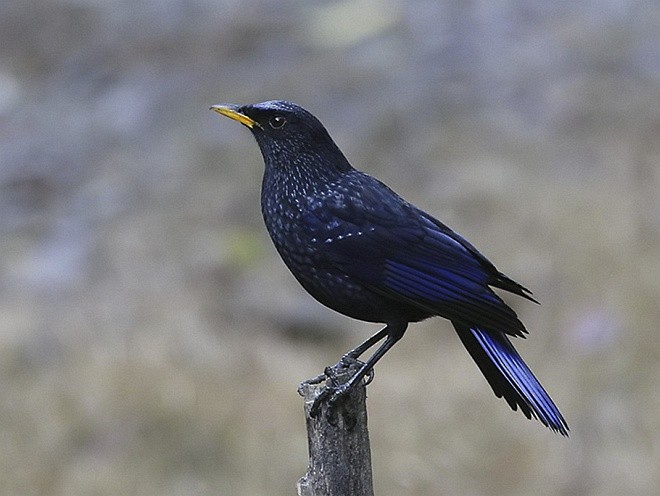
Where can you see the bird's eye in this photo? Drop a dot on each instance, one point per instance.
(277, 122)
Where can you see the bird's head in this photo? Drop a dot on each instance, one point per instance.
(287, 135)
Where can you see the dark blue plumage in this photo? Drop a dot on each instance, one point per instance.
(360, 249)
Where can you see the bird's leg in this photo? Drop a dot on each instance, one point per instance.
(394, 332)
(355, 353)
(352, 356)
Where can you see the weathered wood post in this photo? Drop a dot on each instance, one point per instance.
(338, 440)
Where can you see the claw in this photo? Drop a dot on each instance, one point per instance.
(349, 360)
(369, 377)
(334, 391)
(316, 406)
(333, 394)
(337, 394)
(315, 380)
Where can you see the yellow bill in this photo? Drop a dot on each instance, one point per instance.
(232, 112)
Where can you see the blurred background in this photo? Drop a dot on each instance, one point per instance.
(151, 341)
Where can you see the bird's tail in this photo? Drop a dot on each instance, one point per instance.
(510, 377)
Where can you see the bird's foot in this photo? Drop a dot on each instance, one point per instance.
(332, 395)
(313, 381)
(334, 392)
(350, 359)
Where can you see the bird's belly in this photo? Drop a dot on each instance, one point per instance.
(340, 293)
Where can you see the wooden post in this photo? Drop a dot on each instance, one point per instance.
(338, 440)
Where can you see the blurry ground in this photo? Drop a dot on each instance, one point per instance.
(151, 341)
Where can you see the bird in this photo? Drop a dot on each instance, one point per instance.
(360, 249)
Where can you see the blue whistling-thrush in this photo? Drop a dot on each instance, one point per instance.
(362, 250)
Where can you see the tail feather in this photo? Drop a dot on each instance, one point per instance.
(510, 377)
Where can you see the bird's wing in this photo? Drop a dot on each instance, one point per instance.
(399, 251)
